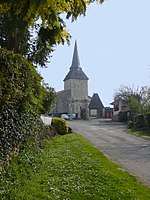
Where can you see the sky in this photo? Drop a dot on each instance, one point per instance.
(114, 48)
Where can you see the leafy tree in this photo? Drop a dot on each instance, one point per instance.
(45, 17)
(145, 99)
(20, 84)
(49, 97)
(137, 99)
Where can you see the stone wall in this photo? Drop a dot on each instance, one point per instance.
(79, 89)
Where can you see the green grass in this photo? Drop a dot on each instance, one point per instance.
(69, 168)
(145, 133)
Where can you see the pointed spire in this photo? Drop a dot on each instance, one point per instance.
(75, 60)
(76, 71)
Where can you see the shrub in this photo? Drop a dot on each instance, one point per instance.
(47, 131)
(122, 116)
(20, 84)
(21, 101)
(130, 124)
(139, 121)
(60, 125)
(147, 119)
(16, 128)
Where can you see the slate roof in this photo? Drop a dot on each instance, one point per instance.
(95, 102)
(76, 71)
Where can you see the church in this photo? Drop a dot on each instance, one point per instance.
(74, 98)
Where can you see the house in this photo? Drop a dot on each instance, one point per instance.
(119, 105)
(109, 112)
(96, 107)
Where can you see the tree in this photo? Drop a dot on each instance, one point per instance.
(137, 99)
(145, 91)
(49, 97)
(45, 17)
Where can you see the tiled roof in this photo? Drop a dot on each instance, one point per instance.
(95, 102)
(76, 74)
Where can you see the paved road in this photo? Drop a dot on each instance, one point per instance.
(129, 151)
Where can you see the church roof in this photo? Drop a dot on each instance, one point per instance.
(95, 102)
(76, 71)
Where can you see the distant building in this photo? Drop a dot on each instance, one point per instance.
(108, 112)
(74, 98)
(118, 106)
(96, 107)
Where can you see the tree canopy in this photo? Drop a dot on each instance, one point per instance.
(137, 99)
(46, 17)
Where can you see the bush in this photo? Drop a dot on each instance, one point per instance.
(139, 121)
(130, 124)
(16, 128)
(122, 116)
(147, 119)
(20, 84)
(60, 125)
(21, 101)
(47, 132)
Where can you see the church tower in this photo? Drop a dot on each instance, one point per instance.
(77, 82)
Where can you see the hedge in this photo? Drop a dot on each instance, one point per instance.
(21, 97)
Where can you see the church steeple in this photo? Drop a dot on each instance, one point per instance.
(76, 71)
(75, 60)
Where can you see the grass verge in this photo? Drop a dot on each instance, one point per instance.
(68, 168)
(144, 134)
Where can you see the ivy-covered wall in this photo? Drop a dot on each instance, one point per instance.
(21, 100)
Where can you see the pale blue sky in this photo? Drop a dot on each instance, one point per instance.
(113, 45)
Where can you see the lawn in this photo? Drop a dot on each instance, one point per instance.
(68, 168)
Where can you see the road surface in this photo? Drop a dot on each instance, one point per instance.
(129, 151)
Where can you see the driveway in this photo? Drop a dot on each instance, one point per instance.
(129, 151)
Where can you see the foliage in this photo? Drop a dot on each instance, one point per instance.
(22, 97)
(122, 116)
(68, 167)
(32, 29)
(17, 40)
(16, 129)
(141, 133)
(130, 124)
(139, 121)
(49, 97)
(45, 17)
(47, 10)
(124, 92)
(145, 99)
(60, 125)
(47, 132)
(137, 99)
(147, 119)
(20, 84)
